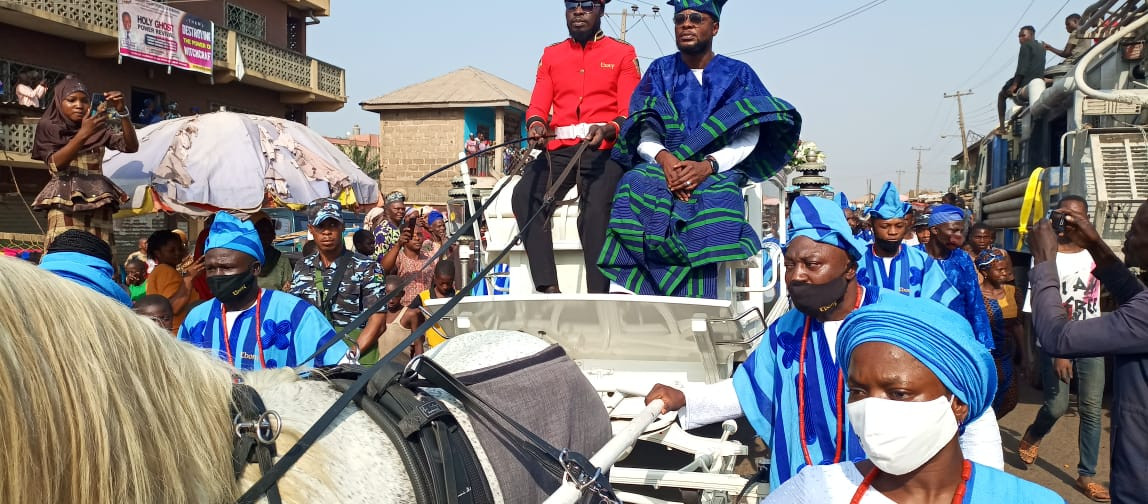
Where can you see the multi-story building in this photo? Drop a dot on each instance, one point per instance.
(260, 65)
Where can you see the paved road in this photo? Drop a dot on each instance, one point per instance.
(1056, 467)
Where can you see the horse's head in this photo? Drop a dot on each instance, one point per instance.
(100, 404)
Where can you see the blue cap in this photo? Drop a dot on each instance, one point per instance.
(229, 232)
(888, 204)
(841, 199)
(946, 213)
(434, 216)
(323, 209)
(711, 7)
(822, 221)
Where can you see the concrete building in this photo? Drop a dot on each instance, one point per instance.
(426, 125)
(55, 38)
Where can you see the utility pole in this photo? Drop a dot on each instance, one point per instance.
(626, 15)
(899, 173)
(919, 150)
(961, 122)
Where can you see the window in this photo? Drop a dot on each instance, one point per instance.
(246, 22)
(296, 29)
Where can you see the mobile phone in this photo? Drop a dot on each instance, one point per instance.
(1057, 219)
(411, 223)
(97, 100)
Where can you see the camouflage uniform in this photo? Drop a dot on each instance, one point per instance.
(361, 287)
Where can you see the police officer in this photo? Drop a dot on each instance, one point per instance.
(586, 80)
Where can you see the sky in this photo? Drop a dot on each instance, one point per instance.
(868, 76)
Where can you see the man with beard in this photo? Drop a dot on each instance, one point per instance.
(891, 264)
(249, 327)
(586, 80)
(702, 125)
(1122, 333)
(790, 388)
(946, 225)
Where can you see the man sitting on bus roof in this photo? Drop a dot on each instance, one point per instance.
(1028, 81)
(701, 126)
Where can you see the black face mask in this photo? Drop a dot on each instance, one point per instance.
(230, 288)
(889, 247)
(817, 300)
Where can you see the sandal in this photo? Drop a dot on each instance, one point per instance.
(1093, 490)
(1027, 451)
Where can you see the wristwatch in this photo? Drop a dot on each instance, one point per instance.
(713, 164)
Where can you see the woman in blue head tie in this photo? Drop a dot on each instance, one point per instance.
(916, 376)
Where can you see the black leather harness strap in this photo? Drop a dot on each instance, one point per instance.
(256, 429)
(575, 465)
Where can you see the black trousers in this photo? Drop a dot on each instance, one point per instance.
(597, 177)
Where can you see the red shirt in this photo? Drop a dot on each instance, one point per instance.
(590, 84)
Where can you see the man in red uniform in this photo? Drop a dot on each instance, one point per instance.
(587, 81)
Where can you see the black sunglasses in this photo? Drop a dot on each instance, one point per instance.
(586, 5)
(694, 17)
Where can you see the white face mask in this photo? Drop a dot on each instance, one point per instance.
(900, 436)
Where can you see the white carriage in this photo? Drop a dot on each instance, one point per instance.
(627, 343)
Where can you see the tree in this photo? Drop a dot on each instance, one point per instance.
(366, 158)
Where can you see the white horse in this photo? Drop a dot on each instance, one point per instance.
(101, 405)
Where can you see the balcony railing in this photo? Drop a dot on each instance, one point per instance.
(307, 79)
(16, 140)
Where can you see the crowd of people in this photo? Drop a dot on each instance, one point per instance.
(905, 339)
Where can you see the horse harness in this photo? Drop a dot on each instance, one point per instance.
(434, 449)
(256, 429)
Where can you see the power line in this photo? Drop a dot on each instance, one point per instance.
(654, 37)
(811, 30)
(1001, 44)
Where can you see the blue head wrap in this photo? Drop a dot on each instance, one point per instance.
(823, 221)
(711, 7)
(88, 271)
(946, 213)
(989, 256)
(434, 217)
(935, 335)
(231, 233)
(888, 204)
(842, 200)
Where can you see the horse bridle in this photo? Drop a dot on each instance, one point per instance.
(256, 429)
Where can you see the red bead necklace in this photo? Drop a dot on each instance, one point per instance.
(840, 442)
(258, 330)
(966, 473)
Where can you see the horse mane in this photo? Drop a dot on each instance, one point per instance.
(102, 405)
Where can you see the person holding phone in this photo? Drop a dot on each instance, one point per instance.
(71, 141)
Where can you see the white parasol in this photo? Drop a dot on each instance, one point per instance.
(234, 161)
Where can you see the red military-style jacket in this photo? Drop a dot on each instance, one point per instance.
(584, 85)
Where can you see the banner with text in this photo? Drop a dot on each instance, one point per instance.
(151, 31)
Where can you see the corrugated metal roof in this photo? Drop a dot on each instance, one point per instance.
(465, 87)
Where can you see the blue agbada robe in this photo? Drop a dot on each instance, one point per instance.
(766, 386)
(970, 303)
(291, 329)
(658, 245)
(912, 273)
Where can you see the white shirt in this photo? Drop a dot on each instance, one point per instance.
(1079, 290)
(727, 157)
(229, 317)
(827, 483)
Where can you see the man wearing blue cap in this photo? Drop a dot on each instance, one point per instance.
(916, 375)
(790, 388)
(339, 282)
(701, 126)
(249, 327)
(890, 264)
(84, 258)
(946, 227)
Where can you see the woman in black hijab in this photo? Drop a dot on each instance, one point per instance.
(71, 140)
